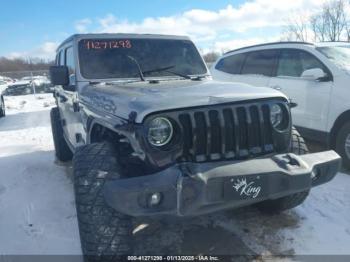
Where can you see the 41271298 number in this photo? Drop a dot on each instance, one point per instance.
(107, 44)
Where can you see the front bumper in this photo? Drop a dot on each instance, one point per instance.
(190, 189)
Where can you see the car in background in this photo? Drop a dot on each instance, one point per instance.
(30, 85)
(3, 86)
(314, 76)
(6, 79)
(21, 87)
(37, 80)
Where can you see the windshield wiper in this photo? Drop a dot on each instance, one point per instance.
(200, 77)
(138, 67)
(158, 69)
(179, 74)
(166, 69)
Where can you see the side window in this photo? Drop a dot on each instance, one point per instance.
(309, 61)
(294, 62)
(260, 63)
(289, 64)
(69, 62)
(61, 58)
(57, 60)
(231, 64)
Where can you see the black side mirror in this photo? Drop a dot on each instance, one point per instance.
(59, 75)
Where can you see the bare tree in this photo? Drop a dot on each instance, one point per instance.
(328, 24)
(211, 57)
(335, 19)
(347, 30)
(18, 64)
(347, 27)
(318, 26)
(296, 28)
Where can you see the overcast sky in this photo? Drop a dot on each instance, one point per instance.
(35, 27)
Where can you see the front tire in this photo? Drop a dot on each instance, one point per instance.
(105, 233)
(343, 144)
(298, 147)
(63, 152)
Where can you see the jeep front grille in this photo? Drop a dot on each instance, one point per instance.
(226, 132)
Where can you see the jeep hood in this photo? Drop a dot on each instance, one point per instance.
(145, 98)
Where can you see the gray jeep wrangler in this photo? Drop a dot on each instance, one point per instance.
(152, 135)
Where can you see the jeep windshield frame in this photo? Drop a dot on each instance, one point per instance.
(107, 58)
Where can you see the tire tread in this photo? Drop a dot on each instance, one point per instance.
(343, 132)
(104, 232)
(63, 152)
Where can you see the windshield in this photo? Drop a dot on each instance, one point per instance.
(339, 55)
(115, 58)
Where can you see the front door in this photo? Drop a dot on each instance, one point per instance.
(68, 102)
(312, 96)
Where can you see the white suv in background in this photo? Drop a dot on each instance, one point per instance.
(314, 76)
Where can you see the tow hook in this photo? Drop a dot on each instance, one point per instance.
(287, 161)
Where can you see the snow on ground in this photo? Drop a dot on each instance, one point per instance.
(319, 226)
(37, 212)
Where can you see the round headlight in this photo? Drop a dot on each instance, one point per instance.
(160, 131)
(276, 115)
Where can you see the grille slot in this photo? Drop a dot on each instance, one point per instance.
(229, 132)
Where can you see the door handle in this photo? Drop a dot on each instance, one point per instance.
(276, 87)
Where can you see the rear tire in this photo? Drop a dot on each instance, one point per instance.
(2, 107)
(343, 144)
(63, 152)
(105, 233)
(298, 147)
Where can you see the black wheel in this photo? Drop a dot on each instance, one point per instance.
(63, 152)
(2, 107)
(298, 147)
(105, 234)
(343, 144)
